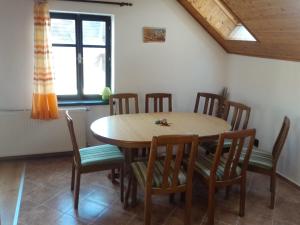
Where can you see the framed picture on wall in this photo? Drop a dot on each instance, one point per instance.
(154, 34)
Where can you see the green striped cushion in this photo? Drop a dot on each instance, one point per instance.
(227, 143)
(140, 172)
(204, 163)
(212, 145)
(259, 158)
(101, 154)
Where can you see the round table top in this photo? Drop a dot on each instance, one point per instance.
(137, 130)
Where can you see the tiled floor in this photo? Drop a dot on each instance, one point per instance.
(11, 177)
(47, 200)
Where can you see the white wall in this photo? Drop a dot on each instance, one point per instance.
(189, 61)
(271, 88)
(16, 53)
(20, 135)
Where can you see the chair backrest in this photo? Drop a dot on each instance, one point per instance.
(237, 113)
(73, 138)
(176, 149)
(280, 140)
(240, 141)
(117, 100)
(158, 101)
(213, 104)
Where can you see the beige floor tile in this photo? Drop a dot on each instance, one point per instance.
(67, 220)
(39, 216)
(27, 206)
(287, 211)
(113, 217)
(41, 194)
(218, 222)
(65, 200)
(177, 216)
(47, 197)
(104, 195)
(159, 212)
(282, 222)
(87, 211)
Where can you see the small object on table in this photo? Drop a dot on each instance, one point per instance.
(162, 122)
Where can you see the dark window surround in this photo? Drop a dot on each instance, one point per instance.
(81, 99)
(83, 102)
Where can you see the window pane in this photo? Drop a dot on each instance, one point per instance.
(63, 31)
(93, 32)
(241, 33)
(93, 70)
(64, 66)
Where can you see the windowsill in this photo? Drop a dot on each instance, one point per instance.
(82, 102)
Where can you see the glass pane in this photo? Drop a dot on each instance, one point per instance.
(93, 32)
(64, 67)
(63, 31)
(93, 70)
(241, 33)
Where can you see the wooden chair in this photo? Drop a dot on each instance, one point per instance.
(158, 100)
(237, 115)
(240, 114)
(165, 176)
(219, 171)
(120, 104)
(266, 162)
(117, 100)
(213, 104)
(92, 159)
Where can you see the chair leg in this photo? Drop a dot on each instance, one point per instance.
(128, 191)
(113, 175)
(73, 176)
(134, 191)
(122, 182)
(147, 208)
(273, 190)
(242, 197)
(188, 206)
(211, 205)
(77, 189)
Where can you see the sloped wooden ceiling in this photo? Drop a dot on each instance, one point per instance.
(274, 23)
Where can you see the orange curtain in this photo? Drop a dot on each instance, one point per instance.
(44, 100)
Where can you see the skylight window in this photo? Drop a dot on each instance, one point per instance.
(222, 20)
(241, 33)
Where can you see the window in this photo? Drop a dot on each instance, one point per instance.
(222, 20)
(241, 33)
(81, 46)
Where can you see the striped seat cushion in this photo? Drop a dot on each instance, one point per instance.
(140, 172)
(101, 154)
(212, 145)
(204, 162)
(259, 158)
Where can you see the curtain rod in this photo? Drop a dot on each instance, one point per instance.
(70, 108)
(101, 2)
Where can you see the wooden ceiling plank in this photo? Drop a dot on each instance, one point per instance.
(202, 21)
(275, 23)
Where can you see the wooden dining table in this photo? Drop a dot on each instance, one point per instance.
(136, 130)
